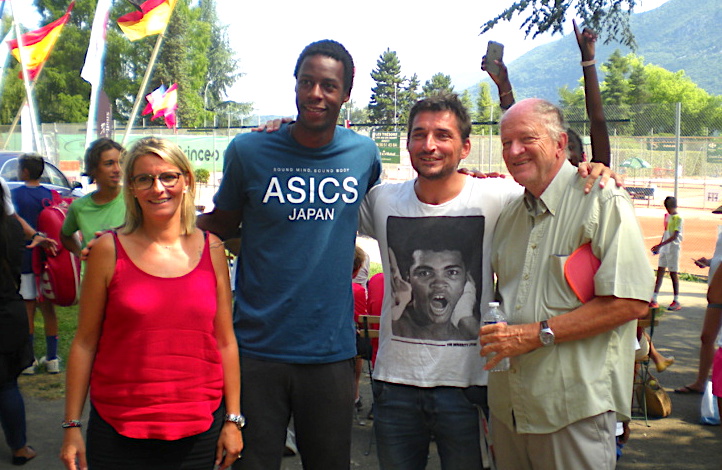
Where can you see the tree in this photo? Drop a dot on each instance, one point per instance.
(483, 103)
(220, 59)
(439, 83)
(384, 104)
(232, 113)
(195, 54)
(610, 17)
(409, 97)
(353, 113)
(615, 88)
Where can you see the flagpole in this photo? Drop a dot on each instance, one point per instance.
(92, 71)
(28, 89)
(144, 84)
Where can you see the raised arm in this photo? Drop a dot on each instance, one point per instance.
(601, 150)
(503, 85)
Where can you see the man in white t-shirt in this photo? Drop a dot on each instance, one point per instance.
(435, 235)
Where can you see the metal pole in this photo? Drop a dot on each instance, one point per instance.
(141, 91)
(28, 88)
(491, 133)
(677, 132)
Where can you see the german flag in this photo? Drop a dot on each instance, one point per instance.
(151, 19)
(38, 44)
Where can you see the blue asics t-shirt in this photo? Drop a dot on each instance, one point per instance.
(293, 298)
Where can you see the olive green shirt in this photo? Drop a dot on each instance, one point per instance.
(552, 387)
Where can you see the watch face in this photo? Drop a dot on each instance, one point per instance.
(546, 336)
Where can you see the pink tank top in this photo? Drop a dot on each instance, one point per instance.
(157, 372)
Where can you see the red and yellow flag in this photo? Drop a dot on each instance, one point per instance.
(38, 44)
(163, 102)
(152, 19)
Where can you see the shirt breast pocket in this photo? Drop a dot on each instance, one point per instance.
(557, 293)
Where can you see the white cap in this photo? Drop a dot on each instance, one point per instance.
(493, 304)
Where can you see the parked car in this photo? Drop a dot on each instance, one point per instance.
(52, 177)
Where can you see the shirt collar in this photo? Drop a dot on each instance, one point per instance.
(552, 195)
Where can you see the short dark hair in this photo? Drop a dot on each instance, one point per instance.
(670, 202)
(334, 50)
(92, 155)
(443, 102)
(34, 163)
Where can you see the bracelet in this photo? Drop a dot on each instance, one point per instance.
(501, 95)
(507, 107)
(71, 423)
(714, 305)
(36, 234)
(587, 63)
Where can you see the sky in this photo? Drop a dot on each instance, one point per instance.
(428, 37)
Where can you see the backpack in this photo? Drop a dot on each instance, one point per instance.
(57, 277)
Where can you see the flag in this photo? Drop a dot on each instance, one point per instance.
(38, 44)
(163, 103)
(152, 19)
(93, 68)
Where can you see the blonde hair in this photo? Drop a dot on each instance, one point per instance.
(172, 154)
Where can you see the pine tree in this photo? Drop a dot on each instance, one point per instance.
(409, 97)
(384, 105)
(438, 83)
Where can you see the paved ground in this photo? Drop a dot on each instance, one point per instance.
(675, 442)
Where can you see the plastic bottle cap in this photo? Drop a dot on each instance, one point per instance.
(493, 304)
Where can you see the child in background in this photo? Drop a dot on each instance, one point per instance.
(359, 308)
(28, 201)
(668, 250)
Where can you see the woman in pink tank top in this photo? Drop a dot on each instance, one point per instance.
(155, 344)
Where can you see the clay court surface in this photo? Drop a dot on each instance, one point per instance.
(699, 229)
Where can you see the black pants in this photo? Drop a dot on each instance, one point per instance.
(108, 450)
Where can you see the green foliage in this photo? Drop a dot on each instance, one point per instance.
(195, 54)
(630, 86)
(202, 175)
(439, 83)
(484, 103)
(375, 268)
(232, 113)
(353, 113)
(386, 95)
(610, 17)
(409, 97)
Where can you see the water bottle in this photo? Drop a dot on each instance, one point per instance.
(495, 315)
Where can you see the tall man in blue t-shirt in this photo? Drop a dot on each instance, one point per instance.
(296, 194)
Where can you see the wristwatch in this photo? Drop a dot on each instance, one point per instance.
(546, 335)
(238, 420)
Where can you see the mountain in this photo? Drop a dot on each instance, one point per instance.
(679, 35)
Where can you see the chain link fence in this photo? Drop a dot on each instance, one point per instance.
(661, 137)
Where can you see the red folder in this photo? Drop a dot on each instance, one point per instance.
(579, 271)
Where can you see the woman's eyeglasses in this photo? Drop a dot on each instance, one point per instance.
(167, 179)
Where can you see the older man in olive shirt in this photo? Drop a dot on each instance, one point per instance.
(571, 362)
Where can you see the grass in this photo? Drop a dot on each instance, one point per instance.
(374, 268)
(692, 277)
(43, 385)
